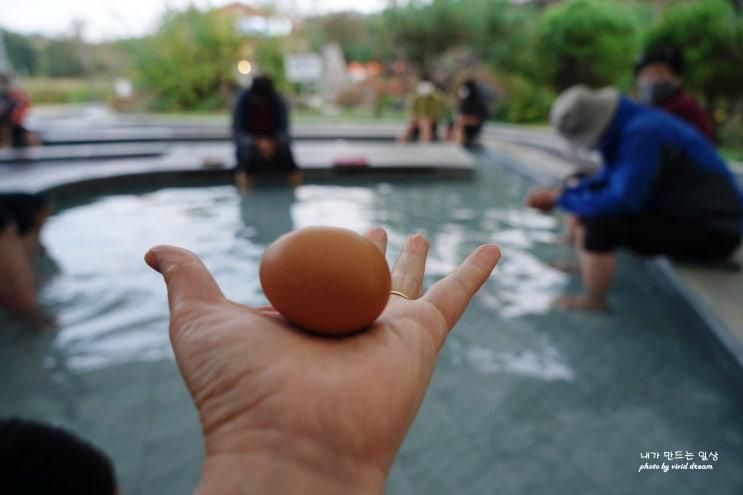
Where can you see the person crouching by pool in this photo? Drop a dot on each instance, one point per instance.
(427, 108)
(17, 284)
(662, 190)
(472, 114)
(22, 217)
(14, 106)
(659, 78)
(260, 128)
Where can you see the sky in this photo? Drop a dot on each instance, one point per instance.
(110, 19)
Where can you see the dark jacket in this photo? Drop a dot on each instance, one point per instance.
(242, 118)
(655, 162)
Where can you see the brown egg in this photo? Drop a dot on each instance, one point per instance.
(326, 280)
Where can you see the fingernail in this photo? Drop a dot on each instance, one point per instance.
(486, 256)
(151, 259)
(417, 242)
(377, 230)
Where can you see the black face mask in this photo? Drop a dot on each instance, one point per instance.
(658, 93)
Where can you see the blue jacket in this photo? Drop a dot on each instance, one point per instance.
(655, 162)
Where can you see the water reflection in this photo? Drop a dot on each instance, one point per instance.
(545, 363)
(112, 307)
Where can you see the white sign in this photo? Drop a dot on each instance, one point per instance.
(303, 67)
(256, 25)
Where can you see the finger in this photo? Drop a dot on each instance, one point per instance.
(379, 237)
(407, 275)
(451, 294)
(186, 277)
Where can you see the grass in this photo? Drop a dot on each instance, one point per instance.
(42, 90)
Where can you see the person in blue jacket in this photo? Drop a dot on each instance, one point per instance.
(662, 189)
(260, 130)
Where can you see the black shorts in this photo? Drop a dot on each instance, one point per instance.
(655, 234)
(471, 132)
(251, 161)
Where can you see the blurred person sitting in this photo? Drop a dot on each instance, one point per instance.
(22, 216)
(44, 460)
(17, 283)
(472, 112)
(659, 76)
(662, 190)
(260, 128)
(427, 108)
(13, 109)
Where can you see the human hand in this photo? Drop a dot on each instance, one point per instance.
(542, 198)
(284, 411)
(266, 147)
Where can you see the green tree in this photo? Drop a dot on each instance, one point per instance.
(504, 35)
(21, 53)
(423, 31)
(586, 41)
(269, 56)
(62, 58)
(189, 64)
(710, 35)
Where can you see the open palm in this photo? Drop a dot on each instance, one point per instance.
(341, 405)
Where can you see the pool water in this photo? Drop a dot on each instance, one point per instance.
(525, 399)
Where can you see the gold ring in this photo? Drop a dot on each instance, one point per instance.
(398, 293)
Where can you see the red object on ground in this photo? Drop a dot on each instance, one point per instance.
(351, 161)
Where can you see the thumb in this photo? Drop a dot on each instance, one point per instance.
(186, 277)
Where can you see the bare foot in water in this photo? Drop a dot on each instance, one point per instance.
(582, 302)
(565, 266)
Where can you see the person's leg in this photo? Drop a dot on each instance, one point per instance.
(426, 130)
(285, 162)
(571, 225)
(17, 284)
(411, 131)
(597, 273)
(470, 133)
(247, 155)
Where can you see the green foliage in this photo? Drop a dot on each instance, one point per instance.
(42, 90)
(189, 64)
(422, 32)
(527, 101)
(504, 35)
(352, 32)
(710, 34)
(21, 52)
(62, 58)
(586, 41)
(269, 56)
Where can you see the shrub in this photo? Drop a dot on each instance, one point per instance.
(710, 35)
(586, 41)
(189, 64)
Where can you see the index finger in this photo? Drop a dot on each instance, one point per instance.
(451, 294)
